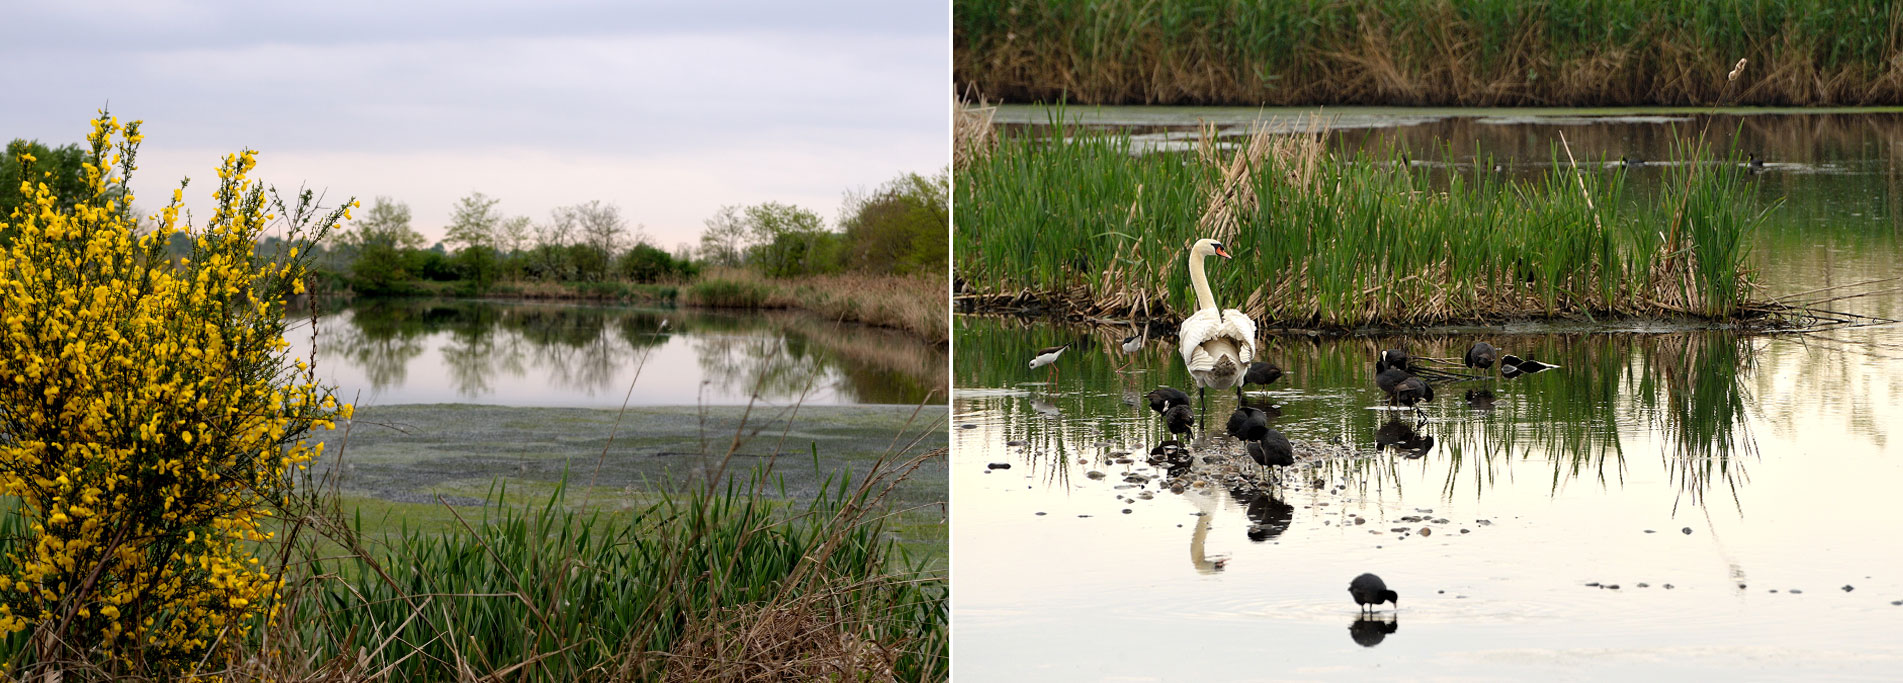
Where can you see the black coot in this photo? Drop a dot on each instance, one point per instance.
(1369, 590)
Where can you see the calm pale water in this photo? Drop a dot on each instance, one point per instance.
(556, 354)
(1774, 452)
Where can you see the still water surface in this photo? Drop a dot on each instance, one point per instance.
(556, 354)
(1750, 473)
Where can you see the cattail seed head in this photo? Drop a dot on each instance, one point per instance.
(1736, 71)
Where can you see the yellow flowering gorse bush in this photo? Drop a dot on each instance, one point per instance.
(150, 415)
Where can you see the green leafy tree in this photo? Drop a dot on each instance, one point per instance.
(901, 227)
(381, 239)
(386, 222)
(648, 263)
(61, 169)
(474, 222)
(787, 240)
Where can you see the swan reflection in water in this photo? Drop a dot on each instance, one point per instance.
(1369, 630)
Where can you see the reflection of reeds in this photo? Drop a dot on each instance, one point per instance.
(1342, 242)
(1572, 424)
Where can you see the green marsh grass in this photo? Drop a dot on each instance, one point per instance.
(547, 592)
(1088, 224)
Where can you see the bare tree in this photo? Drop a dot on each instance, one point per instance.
(600, 225)
(515, 234)
(726, 238)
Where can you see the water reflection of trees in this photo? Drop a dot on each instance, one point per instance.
(587, 348)
(380, 338)
(1683, 391)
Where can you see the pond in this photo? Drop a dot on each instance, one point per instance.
(387, 352)
(1668, 503)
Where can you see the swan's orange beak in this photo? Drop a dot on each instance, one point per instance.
(1222, 252)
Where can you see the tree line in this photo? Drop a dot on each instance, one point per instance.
(900, 227)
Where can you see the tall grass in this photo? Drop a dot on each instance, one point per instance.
(917, 304)
(1345, 241)
(1416, 52)
(546, 592)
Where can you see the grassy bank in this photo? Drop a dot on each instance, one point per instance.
(734, 545)
(719, 585)
(1088, 226)
(1431, 52)
(915, 304)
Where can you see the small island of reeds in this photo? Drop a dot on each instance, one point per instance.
(1088, 224)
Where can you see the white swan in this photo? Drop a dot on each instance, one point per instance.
(1216, 344)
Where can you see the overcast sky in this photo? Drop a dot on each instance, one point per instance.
(667, 109)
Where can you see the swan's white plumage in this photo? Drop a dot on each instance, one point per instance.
(1217, 345)
(1209, 338)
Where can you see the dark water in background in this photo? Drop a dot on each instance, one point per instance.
(557, 354)
(1773, 450)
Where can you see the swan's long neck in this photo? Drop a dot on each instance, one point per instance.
(1204, 299)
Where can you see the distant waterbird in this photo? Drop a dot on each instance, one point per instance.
(1512, 366)
(1388, 378)
(1272, 450)
(1394, 358)
(1216, 344)
(1179, 419)
(1413, 390)
(1481, 356)
(1260, 374)
(1248, 424)
(1754, 163)
(1630, 161)
(1048, 356)
(1161, 398)
(1133, 343)
(1369, 590)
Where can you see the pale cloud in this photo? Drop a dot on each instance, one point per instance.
(668, 110)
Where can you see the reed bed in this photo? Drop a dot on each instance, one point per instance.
(916, 304)
(1086, 225)
(1429, 52)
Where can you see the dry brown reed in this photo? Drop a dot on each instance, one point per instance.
(972, 135)
(1430, 52)
(916, 304)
